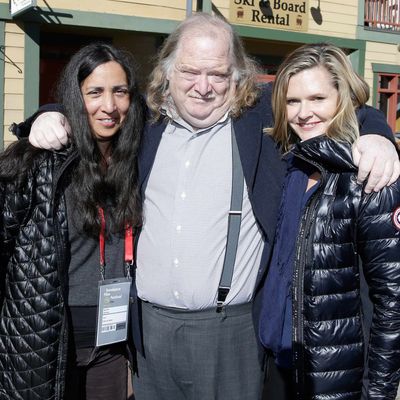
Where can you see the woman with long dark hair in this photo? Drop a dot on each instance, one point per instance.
(67, 221)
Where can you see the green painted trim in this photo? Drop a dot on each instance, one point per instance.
(295, 37)
(93, 20)
(371, 35)
(133, 23)
(386, 68)
(375, 89)
(358, 46)
(363, 52)
(207, 6)
(360, 16)
(32, 68)
(5, 11)
(375, 36)
(362, 55)
(2, 42)
(357, 59)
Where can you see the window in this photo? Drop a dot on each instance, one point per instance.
(388, 98)
(382, 15)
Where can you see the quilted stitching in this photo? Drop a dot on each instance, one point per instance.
(32, 310)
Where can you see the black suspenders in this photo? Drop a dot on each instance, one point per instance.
(234, 220)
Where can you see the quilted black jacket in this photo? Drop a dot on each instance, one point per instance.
(33, 323)
(340, 224)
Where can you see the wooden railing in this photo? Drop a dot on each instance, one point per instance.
(382, 15)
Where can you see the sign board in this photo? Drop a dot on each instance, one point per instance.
(273, 14)
(19, 6)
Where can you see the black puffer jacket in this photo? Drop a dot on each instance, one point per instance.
(340, 224)
(33, 323)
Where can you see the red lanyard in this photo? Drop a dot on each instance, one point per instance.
(129, 246)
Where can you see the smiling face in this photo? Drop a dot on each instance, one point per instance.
(200, 81)
(311, 102)
(106, 97)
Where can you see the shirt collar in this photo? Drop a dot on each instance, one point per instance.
(176, 120)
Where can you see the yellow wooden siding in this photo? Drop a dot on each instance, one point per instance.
(171, 9)
(223, 7)
(14, 86)
(13, 101)
(339, 17)
(13, 80)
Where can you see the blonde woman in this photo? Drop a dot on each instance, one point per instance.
(311, 319)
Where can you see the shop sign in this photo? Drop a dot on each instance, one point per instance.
(19, 6)
(273, 14)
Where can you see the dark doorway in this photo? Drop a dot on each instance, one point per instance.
(55, 51)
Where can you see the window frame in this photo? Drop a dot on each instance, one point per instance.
(393, 72)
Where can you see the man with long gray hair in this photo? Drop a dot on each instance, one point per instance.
(211, 184)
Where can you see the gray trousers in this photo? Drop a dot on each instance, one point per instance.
(198, 355)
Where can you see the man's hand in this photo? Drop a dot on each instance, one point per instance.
(376, 156)
(50, 131)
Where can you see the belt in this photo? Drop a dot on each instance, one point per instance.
(181, 313)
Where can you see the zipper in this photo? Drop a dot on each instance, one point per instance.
(60, 254)
(303, 249)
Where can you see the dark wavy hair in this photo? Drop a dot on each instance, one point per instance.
(114, 188)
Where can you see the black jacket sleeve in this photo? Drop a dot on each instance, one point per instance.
(378, 243)
(22, 129)
(373, 121)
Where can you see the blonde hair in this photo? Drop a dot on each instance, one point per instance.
(353, 92)
(244, 71)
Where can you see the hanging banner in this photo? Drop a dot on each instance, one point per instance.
(19, 6)
(273, 14)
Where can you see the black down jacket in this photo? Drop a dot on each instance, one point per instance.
(340, 224)
(33, 324)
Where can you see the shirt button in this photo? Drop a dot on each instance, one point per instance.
(176, 294)
(178, 228)
(183, 195)
(176, 262)
(187, 164)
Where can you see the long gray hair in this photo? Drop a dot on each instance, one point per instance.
(244, 71)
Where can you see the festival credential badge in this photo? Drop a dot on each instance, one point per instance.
(112, 311)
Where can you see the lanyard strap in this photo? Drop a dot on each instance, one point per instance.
(128, 246)
(234, 220)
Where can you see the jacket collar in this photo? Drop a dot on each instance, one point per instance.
(64, 159)
(150, 141)
(249, 148)
(249, 145)
(332, 155)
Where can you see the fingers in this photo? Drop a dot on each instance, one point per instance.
(66, 125)
(364, 164)
(49, 131)
(396, 172)
(377, 159)
(356, 154)
(62, 132)
(364, 161)
(383, 180)
(33, 139)
(371, 169)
